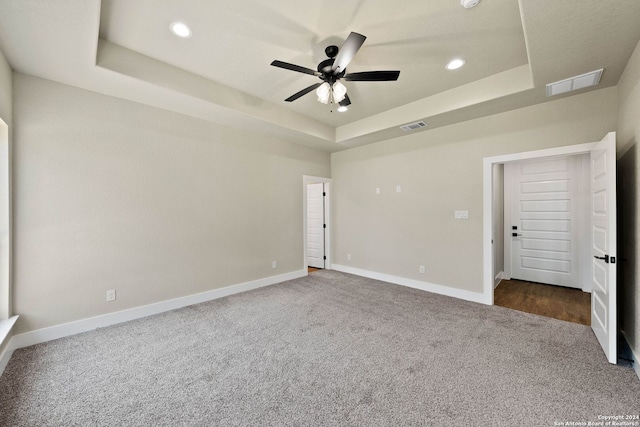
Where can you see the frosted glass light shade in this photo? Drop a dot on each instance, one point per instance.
(339, 91)
(323, 92)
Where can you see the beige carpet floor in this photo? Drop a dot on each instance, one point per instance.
(329, 349)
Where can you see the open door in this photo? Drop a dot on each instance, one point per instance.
(315, 225)
(603, 229)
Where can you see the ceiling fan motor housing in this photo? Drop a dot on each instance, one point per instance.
(325, 67)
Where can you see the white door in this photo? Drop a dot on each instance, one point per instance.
(315, 225)
(603, 229)
(545, 220)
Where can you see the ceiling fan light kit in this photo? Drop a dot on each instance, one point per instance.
(331, 70)
(323, 92)
(339, 91)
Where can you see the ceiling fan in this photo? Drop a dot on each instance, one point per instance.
(331, 70)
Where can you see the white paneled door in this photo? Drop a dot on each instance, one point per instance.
(315, 225)
(545, 220)
(603, 230)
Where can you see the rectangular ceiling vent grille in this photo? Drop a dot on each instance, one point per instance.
(413, 126)
(575, 83)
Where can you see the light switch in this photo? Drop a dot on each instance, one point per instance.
(461, 215)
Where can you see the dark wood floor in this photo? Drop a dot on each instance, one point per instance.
(558, 302)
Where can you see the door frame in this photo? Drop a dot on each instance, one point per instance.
(307, 179)
(487, 195)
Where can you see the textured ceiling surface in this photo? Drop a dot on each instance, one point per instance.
(222, 73)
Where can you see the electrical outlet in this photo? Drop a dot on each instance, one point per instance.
(422, 269)
(378, 190)
(348, 257)
(398, 189)
(111, 295)
(274, 264)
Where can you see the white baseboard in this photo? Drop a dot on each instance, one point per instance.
(416, 284)
(6, 354)
(84, 325)
(497, 279)
(5, 328)
(634, 354)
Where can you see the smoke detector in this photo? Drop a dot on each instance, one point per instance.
(468, 4)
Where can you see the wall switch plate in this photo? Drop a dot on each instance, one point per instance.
(274, 264)
(398, 189)
(348, 257)
(461, 215)
(378, 190)
(111, 295)
(422, 269)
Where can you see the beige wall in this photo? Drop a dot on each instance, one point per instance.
(110, 194)
(629, 212)
(440, 171)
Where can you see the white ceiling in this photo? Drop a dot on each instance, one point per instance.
(222, 74)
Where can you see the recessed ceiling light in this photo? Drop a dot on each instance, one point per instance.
(468, 4)
(342, 108)
(455, 64)
(180, 29)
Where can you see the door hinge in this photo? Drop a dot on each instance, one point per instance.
(324, 194)
(324, 257)
(324, 225)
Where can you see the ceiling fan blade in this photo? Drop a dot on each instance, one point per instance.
(373, 76)
(346, 101)
(302, 92)
(348, 50)
(294, 67)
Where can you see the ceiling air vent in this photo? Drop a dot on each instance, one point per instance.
(413, 126)
(575, 83)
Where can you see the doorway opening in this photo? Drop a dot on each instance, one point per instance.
(543, 261)
(601, 230)
(494, 224)
(316, 223)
